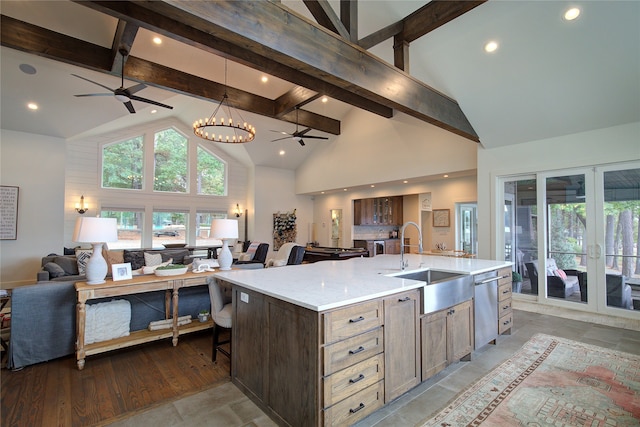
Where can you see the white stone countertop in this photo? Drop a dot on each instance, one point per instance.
(326, 285)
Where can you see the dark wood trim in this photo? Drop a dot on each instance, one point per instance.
(379, 36)
(349, 18)
(325, 16)
(125, 35)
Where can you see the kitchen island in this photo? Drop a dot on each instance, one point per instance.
(331, 342)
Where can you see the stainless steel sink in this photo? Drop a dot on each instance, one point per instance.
(443, 289)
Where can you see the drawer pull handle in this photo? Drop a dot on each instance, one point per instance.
(506, 322)
(506, 291)
(359, 319)
(358, 350)
(360, 378)
(404, 299)
(353, 411)
(505, 307)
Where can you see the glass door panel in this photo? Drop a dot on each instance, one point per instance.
(566, 261)
(468, 228)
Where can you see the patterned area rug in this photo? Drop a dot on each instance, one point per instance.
(552, 381)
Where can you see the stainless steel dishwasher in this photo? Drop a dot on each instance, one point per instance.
(485, 307)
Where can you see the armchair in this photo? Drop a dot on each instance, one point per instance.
(557, 286)
(288, 254)
(618, 292)
(255, 253)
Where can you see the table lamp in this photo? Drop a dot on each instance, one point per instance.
(225, 230)
(96, 231)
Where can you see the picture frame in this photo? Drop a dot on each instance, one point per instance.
(441, 218)
(9, 212)
(121, 271)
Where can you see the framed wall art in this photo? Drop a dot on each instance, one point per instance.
(8, 212)
(121, 271)
(441, 217)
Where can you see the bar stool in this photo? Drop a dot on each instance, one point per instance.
(221, 311)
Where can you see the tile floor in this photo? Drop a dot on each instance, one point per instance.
(226, 406)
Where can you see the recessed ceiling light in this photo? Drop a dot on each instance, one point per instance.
(32, 106)
(282, 152)
(157, 40)
(264, 79)
(571, 14)
(322, 192)
(325, 99)
(405, 181)
(345, 189)
(445, 175)
(27, 69)
(372, 186)
(154, 111)
(491, 46)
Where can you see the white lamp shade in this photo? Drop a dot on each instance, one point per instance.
(93, 229)
(224, 229)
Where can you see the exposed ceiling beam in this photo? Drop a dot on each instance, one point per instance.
(279, 38)
(325, 16)
(379, 36)
(434, 14)
(123, 39)
(349, 18)
(42, 42)
(296, 97)
(209, 39)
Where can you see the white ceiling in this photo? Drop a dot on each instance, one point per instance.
(548, 78)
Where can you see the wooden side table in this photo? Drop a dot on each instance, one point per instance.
(139, 284)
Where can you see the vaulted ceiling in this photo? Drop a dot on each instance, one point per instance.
(548, 78)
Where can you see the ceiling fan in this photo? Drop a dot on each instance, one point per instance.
(297, 135)
(122, 94)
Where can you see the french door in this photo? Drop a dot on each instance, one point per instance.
(574, 236)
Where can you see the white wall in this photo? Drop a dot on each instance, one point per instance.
(373, 150)
(602, 146)
(274, 192)
(35, 163)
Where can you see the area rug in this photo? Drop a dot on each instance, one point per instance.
(552, 381)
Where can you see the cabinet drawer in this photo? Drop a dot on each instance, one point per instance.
(505, 323)
(504, 307)
(350, 321)
(505, 276)
(345, 353)
(351, 380)
(356, 407)
(504, 291)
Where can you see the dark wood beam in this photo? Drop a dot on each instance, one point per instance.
(48, 44)
(296, 97)
(379, 36)
(209, 40)
(401, 54)
(123, 39)
(271, 32)
(435, 14)
(325, 16)
(349, 18)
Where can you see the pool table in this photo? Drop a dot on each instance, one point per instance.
(323, 253)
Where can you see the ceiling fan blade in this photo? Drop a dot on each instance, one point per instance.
(315, 137)
(91, 81)
(279, 131)
(94, 94)
(136, 88)
(300, 141)
(280, 139)
(129, 106)
(149, 101)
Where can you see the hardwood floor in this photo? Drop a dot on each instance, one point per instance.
(112, 385)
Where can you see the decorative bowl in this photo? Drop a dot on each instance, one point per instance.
(170, 272)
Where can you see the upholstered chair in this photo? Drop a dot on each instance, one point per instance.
(221, 310)
(289, 254)
(557, 286)
(253, 256)
(618, 292)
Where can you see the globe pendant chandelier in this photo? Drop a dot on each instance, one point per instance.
(217, 128)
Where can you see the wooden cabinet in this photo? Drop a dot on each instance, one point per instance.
(446, 336)
(505, 317)
(401, 343)
(378, 211)
(392, 246)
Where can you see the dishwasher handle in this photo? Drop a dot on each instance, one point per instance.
(490, 279)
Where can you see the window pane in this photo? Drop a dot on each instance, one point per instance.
(170, 162)
(129, 228)
(203, 224)
(122, 164)
(169, 228)
(211, 174)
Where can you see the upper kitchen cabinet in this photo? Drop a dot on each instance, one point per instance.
(378, 211)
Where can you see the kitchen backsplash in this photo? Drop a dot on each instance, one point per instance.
(373, 232)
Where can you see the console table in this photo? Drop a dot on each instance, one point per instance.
(139, 284)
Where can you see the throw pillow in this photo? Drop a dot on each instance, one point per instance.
(151, 260)
(251, 250)
(279, 262)
(68, 264)
(136, 258)
(562, 274)
(54, 270)
(82, 256)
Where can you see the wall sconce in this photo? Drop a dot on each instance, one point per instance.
(238, 213)
(81, 207)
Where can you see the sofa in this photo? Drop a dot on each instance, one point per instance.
(62, 268)
(43, 317)
(560, 283)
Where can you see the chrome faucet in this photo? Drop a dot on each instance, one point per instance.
(403, 265)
